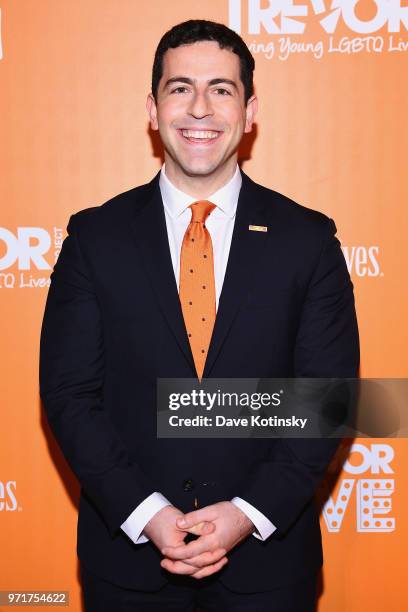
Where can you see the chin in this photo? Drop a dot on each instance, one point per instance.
(200, 169)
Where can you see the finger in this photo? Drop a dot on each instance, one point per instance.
(177, 567)
(192, 549)
(210, 569)
(207, 558)
(197, 516)
(203, 528)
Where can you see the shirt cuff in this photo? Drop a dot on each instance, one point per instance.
(263, 525)
(137, 521)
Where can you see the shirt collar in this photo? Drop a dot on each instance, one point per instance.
(225, 198)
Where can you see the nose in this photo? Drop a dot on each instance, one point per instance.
(200, 106)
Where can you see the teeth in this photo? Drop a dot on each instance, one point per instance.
(205, 135)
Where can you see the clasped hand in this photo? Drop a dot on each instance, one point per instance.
(220, 527)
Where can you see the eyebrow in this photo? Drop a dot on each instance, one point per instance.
(188, 81)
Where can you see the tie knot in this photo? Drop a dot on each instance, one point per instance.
(201, 210)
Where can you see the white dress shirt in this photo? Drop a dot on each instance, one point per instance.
(220, 225)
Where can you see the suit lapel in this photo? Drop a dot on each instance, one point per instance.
(149, 225)
(245, 253)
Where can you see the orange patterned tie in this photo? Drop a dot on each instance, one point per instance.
(197, 285)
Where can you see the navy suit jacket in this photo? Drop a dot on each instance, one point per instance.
(113, 325)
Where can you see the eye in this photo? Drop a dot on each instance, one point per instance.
(179, 89)
(222, 91)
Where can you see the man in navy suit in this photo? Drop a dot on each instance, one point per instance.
(114, 324)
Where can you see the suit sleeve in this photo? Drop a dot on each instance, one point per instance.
(327, 346)
(72, 366)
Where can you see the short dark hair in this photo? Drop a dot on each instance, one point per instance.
(196, 30)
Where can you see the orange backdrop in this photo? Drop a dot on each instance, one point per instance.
(332, 134)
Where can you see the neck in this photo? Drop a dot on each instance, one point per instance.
(200, 186)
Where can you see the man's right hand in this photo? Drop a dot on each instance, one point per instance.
(163, 531)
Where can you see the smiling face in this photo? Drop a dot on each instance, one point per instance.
(201, 114)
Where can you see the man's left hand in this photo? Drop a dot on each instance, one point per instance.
(231, 527)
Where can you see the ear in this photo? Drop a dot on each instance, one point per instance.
(152, 111)
(250, 112)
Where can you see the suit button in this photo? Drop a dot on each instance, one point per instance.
(188, 485)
